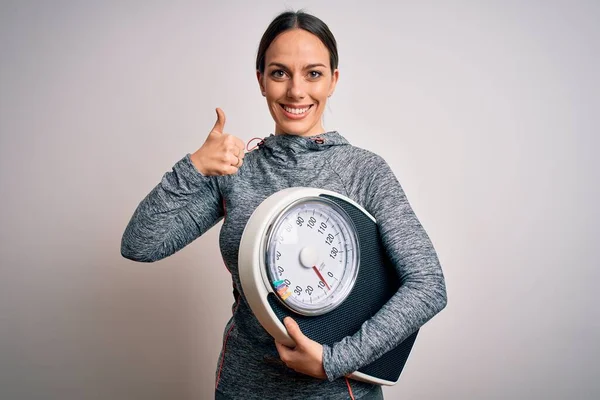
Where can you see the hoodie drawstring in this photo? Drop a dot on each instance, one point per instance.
(258, 145)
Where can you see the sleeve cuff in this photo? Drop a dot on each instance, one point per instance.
(184, 179)
(332, 369)
(187, 172)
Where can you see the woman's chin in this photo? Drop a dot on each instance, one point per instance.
(300, 128)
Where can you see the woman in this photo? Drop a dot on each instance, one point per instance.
(296, 68)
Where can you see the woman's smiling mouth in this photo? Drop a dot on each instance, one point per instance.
(295, 112)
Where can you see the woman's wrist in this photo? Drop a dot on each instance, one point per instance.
(196, 160)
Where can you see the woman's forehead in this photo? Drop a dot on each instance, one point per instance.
(297, 46)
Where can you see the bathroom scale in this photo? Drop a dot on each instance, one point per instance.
(316, 256)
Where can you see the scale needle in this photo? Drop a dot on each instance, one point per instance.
(321, 276)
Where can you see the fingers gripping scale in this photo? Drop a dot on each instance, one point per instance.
(316, 255)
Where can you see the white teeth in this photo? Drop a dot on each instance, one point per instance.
(296, 110)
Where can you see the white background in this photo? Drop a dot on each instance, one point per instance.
(486, 112)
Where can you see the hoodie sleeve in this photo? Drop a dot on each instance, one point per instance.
(183, 206)
(423, 293)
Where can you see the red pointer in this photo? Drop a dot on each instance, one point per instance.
(321, 276)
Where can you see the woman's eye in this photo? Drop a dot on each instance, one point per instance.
(278, 73)
(315, 74)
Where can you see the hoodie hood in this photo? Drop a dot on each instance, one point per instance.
(299, 151)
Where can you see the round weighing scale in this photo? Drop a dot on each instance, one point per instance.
(316, 256)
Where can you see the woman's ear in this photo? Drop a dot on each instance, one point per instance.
(260, 83)
(334, 80)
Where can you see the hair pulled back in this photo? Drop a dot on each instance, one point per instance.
(297, 20)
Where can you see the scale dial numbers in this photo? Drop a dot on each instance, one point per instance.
(312, 256)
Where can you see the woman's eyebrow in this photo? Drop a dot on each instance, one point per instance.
(315, 65)
(283, 66)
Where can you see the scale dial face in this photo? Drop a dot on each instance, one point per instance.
(312, 256)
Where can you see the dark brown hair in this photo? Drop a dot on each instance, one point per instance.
(297, 20)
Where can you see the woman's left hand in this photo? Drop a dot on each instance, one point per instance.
(306, 357)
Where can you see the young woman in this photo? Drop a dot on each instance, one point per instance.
(297, 70)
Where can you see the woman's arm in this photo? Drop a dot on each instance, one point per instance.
(183, 206)
(422, 294)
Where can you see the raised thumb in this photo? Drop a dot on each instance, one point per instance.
(220, 124)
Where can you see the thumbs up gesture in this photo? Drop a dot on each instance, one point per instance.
(221, 153)
(306, 357)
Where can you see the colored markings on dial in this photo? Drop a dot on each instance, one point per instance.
(282, 289)
(285, 295)
(278, 284)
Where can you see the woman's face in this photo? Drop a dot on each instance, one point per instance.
(297, 81)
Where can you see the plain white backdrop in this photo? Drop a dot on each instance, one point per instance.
(486, 111)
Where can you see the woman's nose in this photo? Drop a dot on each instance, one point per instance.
(296, 88)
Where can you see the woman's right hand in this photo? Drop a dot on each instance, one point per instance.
(221, 153)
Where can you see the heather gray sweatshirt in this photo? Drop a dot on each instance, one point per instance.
(185, 204)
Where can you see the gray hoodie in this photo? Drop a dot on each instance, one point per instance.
(185, 204)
